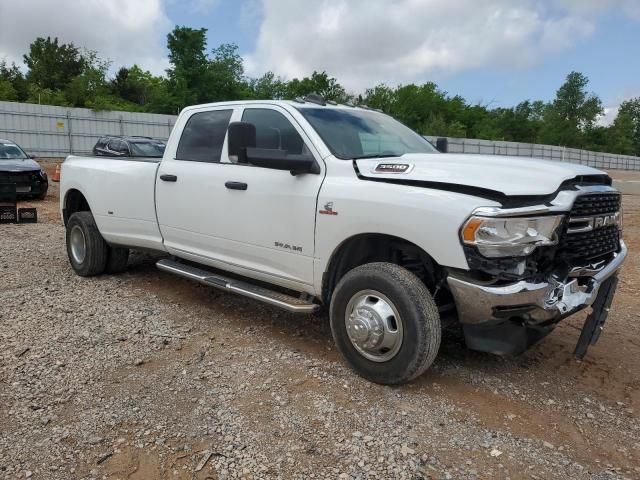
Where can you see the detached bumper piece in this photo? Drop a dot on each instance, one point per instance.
(508, 319)
(595, 321)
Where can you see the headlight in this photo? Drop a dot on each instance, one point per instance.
(510, 237)
(43, 174)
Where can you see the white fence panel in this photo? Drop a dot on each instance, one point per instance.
(50, 131)
(606, 161)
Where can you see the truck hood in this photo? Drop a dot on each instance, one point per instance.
(18, 165)
(506, 175)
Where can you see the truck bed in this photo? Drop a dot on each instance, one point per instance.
(121, 193)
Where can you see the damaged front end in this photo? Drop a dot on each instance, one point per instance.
(506, 304)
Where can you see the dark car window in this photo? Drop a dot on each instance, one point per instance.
(147, 148)
(273, 130)
(203, 136)
(11, 151)
(123, 148)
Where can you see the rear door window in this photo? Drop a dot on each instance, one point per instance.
(203, 136)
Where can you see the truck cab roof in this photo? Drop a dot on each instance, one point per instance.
(307, 101)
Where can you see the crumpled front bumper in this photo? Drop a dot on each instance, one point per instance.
(486, 310)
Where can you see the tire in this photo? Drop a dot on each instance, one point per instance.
(81, 227)
(418, 322)
(117, 260)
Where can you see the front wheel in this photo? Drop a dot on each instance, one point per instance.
(385, 323)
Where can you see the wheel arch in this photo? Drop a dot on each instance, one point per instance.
(74, 201)
(365, 248)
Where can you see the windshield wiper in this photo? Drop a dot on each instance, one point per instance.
(378, 155)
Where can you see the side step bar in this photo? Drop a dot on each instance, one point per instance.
(287, 302)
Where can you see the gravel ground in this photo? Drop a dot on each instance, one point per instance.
(144, 375)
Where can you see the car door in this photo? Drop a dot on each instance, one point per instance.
(254, 221)
(187, 184)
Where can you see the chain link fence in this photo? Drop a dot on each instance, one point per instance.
(605, 161)
(49, 131)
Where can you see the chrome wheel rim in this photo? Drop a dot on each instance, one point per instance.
(374, 326)
(78, 244)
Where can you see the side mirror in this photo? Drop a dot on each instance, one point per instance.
(32, 157)
(280, 160)
(241, 143)
(241, 135)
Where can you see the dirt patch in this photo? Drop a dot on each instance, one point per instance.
(145, 375)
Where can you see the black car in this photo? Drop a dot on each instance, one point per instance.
(129, 147)
(20, 169)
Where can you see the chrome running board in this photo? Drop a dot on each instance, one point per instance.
(284, 301)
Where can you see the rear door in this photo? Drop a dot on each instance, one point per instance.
(187, 187)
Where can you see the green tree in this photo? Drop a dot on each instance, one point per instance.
(53, 65)
(90, 88)
(268, 86)
(320, 83)
(45, 96)
(381, 97)
(143, 89)
(189, 65)
(225, 75)
(7, 92)
(573, 111)
(631, 109)
(620, 135)
(14, 84)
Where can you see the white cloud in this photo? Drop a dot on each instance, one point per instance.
(612, 108)
(609, 115)
(364, 42)
(124, 31)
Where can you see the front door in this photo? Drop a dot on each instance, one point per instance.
(254, 221)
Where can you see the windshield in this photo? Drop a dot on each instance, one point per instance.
(351, 134)
(147, 149)
(11, 151)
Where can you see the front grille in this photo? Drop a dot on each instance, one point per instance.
(22, 178)
(588, 245)
(581, 246)
(596, 204)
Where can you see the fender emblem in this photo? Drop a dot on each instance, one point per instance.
(328, 209)
(392, 168)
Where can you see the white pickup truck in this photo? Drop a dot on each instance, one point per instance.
(303, 204)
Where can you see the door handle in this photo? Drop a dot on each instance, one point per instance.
(236, 185)
(168, 178)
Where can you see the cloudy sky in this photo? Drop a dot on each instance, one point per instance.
(497, 52)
